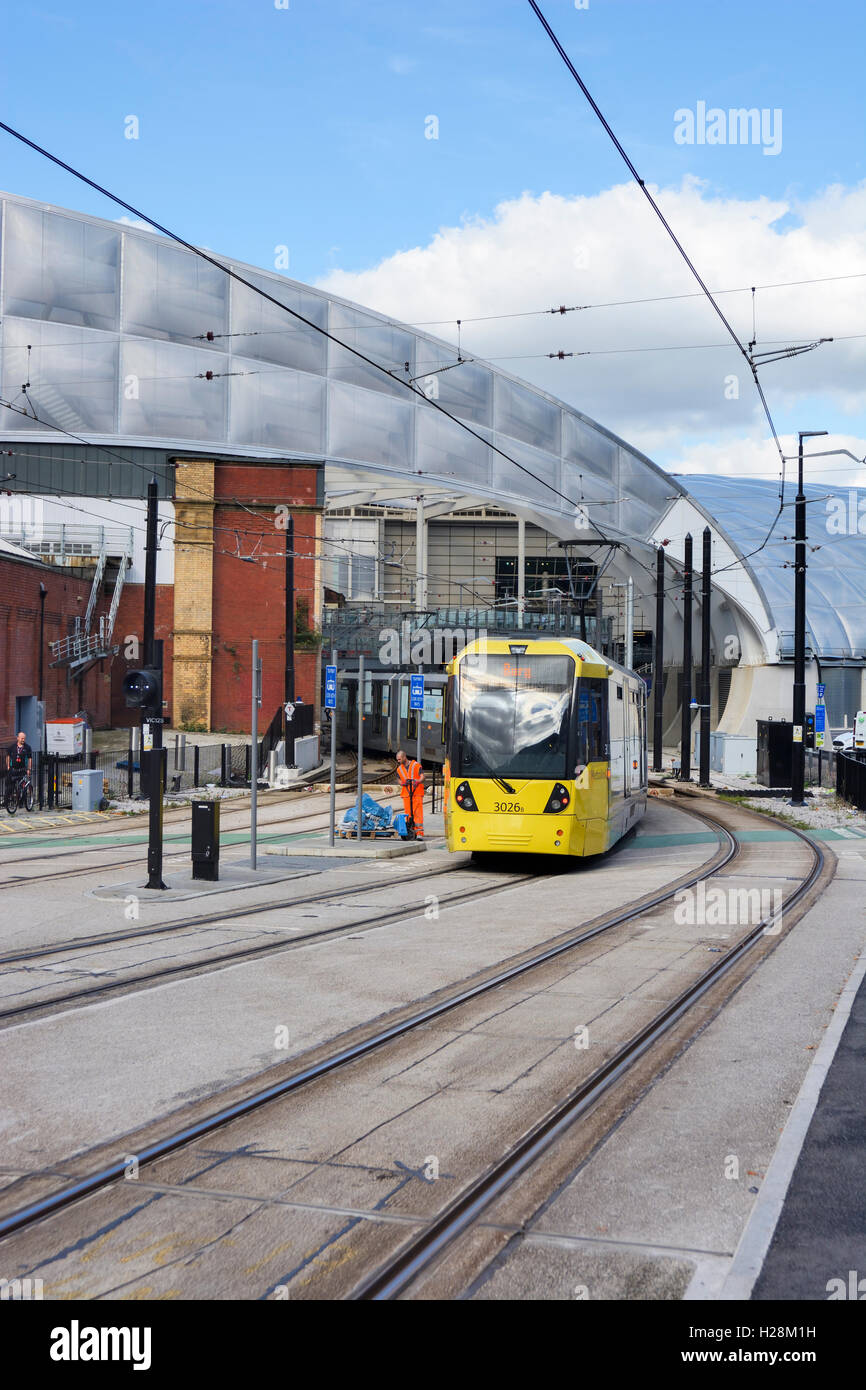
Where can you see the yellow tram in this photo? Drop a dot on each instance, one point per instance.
(546, 749)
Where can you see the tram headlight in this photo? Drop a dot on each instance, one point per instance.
(464, 798)
(558, 800)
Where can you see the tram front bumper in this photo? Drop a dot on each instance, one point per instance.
(478, 833)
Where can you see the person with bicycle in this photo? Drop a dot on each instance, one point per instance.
(19, 764)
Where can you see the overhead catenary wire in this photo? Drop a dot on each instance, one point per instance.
(241, 279)
(629, 303)
(436, 366)
(677, 243)
(377, 366)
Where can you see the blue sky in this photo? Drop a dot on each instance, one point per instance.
(260, 125)
(305, 126)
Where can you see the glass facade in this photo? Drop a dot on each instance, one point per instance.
(63, 269)
(836, 556)
(116, 330)
(124, 325)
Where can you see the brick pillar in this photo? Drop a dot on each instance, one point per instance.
(193, 592)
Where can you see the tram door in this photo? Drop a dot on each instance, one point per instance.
(618, 725)
(632, 749)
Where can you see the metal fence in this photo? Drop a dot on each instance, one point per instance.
(198, 766)
(820, 766)
(851, 779)
(59, 542)
(188, 766)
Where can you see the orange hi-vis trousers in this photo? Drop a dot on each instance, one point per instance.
(411, 777)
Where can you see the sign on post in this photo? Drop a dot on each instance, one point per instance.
(330, 687)
(820, 720)
(821, 690)
(416, 692)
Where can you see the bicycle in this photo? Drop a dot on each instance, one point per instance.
(19, 792)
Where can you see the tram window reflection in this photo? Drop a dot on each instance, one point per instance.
(513, 716)
(591, 721)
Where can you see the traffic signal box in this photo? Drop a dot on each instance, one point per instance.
(143, 690)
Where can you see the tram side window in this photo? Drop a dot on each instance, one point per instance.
(591, 721)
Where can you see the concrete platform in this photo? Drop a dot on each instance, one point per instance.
(351, 849)
(317, 844)
(182, 885)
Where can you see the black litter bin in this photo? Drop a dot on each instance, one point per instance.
(775, 750)
(206, 839)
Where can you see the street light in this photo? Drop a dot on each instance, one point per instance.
(798, 750)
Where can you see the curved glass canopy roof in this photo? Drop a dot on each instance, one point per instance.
(116, 329)
(744, 509)
(129, 341)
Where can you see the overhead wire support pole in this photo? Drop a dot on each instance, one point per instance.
(332, 815)
(629, 624)
(798, 747)
(360, 741)
(659, 662)
(254, 751)
(704, 775)
(289, 685)
(153, 657)
(685, 711)
(521, 572)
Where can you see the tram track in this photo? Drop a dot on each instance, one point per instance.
(131, 983)
(369, 1042)
(266, 834)
(396, 1276)
(447, 1231)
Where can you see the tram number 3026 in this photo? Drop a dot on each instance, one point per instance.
(507, 806)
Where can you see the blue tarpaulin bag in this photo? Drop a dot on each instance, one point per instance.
(373, 816)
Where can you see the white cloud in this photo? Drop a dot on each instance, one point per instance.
(758, 458)
(136, 222)
(538, 252)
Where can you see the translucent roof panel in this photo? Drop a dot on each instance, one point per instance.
(145, 343)
(835, 590)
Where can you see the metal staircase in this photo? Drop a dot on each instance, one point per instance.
(94, 590)
(82, 648)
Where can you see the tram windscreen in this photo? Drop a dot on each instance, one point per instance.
(512, 716)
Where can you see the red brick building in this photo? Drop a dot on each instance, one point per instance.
(40, 598)
(229, 586)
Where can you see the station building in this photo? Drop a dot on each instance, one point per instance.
(125, 357)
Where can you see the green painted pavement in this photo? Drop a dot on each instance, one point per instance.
(241, 837)
(745, 837)
(231, 837)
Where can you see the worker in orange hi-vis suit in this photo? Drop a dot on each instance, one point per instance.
(411, 775)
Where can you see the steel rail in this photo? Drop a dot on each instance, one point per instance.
(132, 984)
(83, 1187)
(266, 836)
(419, 1253)
(230, 914)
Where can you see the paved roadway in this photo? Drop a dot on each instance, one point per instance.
(656, 1211)
(669, 1203)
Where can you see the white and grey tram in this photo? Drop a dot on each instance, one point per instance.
(389, 723)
